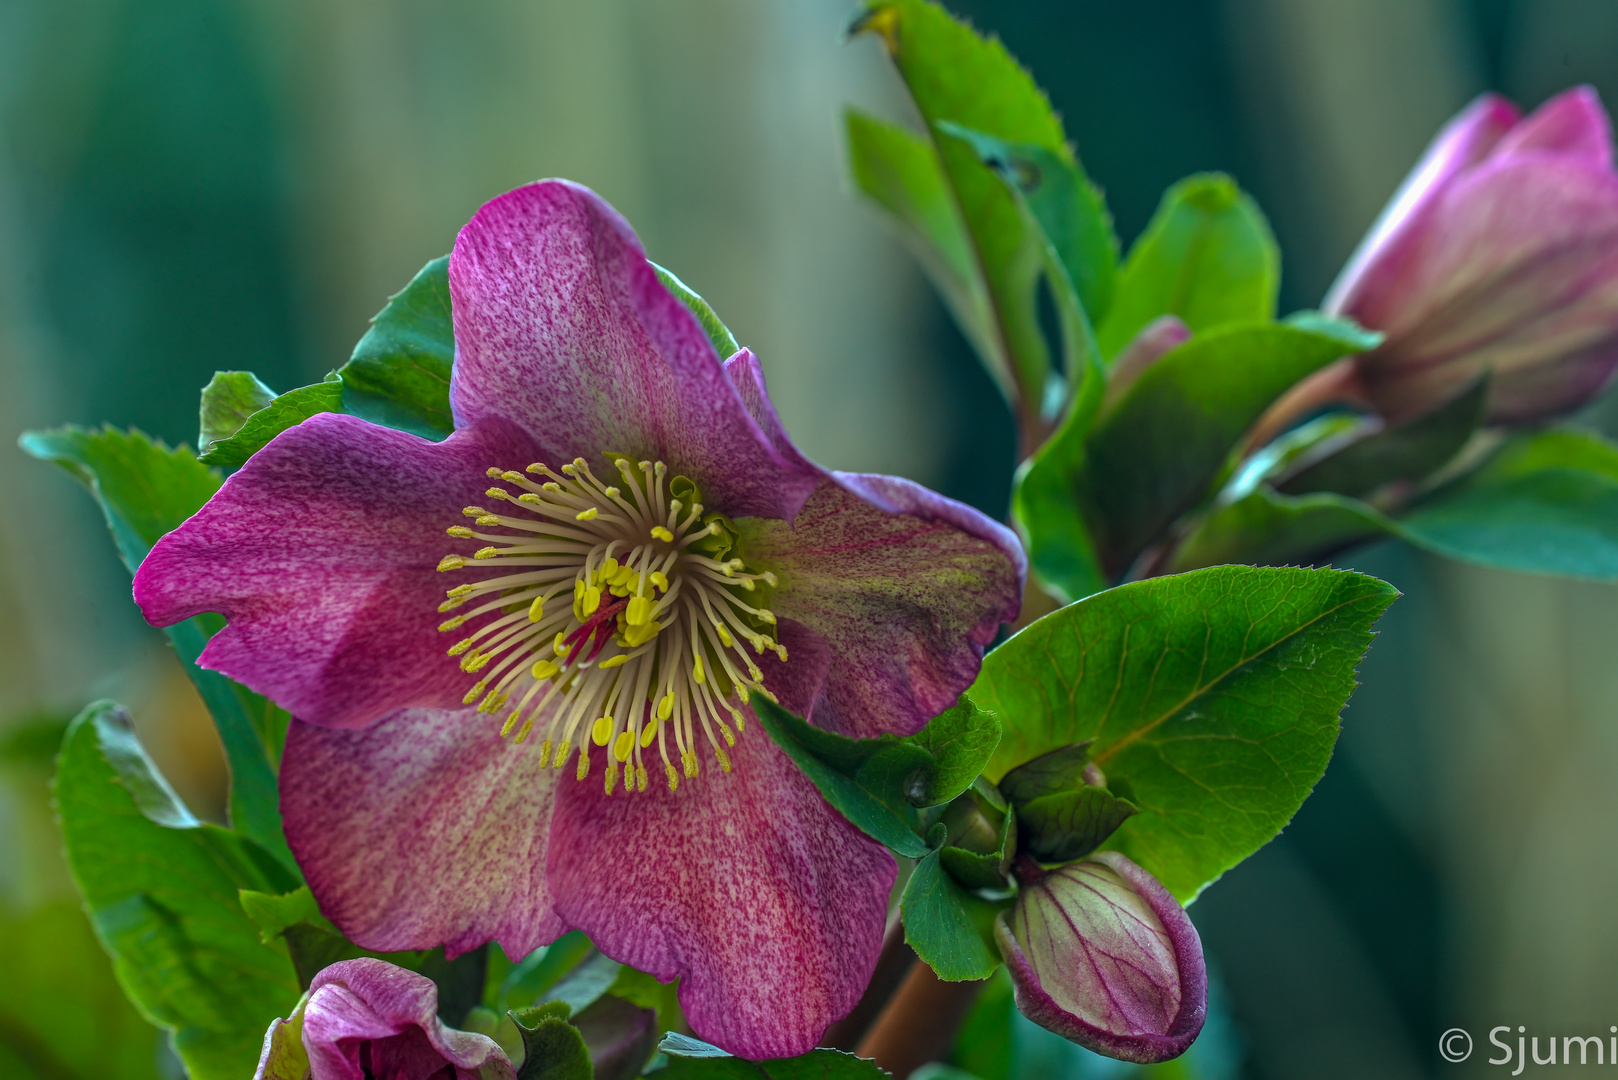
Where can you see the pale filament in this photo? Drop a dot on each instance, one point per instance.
(606, 627)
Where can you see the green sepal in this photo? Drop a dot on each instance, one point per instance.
(1212, 699)
(1050, 773)
(951, 929)
(878, 783)
(1206, 256)
(161, 889)
(145, 490)
(1407, 452)
(553, 1049)
(692, 1059)
(1069, 825)
(724, 342)
(966, 856)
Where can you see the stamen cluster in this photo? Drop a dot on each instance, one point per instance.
(651, 647)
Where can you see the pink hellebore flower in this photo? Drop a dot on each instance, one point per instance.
(368, 1020)
(1499, 253)
(612, 608)
(1101, 954)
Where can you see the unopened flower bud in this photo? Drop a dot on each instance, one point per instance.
(1499, 253)
(1102, 954)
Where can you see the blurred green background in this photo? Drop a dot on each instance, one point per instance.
(190, 185)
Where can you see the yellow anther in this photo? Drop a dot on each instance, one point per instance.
(623, 576)
(617, 661)
(492, 472)
(544, 753)
(660, 533)
(474, 693)
(536, 610)
(486, 553)
(559, 646)
(511, 477)
(498, 493)
(601, 730)
(612, 777)
(639, 612)
(492, 702)
(741, 692)
(584, 763)
(696, 671)
(640, 778)
(528, 498)
(552, 486)
(730, 740)
(579, 463)
(623, 746)
(536, 467)
(488, 519)
(561, 755)
(724, 758)
(665, 707)
(452, 602)
(460, 532)
(587, 515)
(450, 562)
(688, 761)
(674, 777)
(741, 721)
(459, 590)
(613, 493)
(543, 669)
(452, 624)
(724, 635)
(657, 578)
(647, 734)
(474, 511)
(781, 651)
(771, 698)
(767, 616)
(636, 636)
(770, 579)
(460, 646)
(476, 661)
(511, 722)
(609, 567)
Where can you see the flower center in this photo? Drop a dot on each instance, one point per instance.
(651, 648)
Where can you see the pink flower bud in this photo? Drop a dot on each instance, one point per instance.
(1102, 954)
(1499, 253)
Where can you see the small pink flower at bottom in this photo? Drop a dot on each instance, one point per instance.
(369, 1020)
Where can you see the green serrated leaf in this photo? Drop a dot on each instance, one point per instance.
(1545, 503)
(227, 401)
(162, 892)
(955, 74)
(1269, 529)
(724, 342)
(284, 411)
(950, 929)
(1214, 696)
(1158, 452)
(1067, 207)
(960, 740)
(145, 490)
(553, 1049)
(1207, 256)
(398, 375)
(294, 920)
(693, 1059)
(1406, 452)
(901, 173)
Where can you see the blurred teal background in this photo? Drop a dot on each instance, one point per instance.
(190, 185)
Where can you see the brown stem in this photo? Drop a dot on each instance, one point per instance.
(891, 965)
(920, 1023)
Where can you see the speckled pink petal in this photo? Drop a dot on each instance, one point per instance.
(905, 588)
(368, 1018)
(426, 829)
(322, 554)
(562, 326)
(764, 900)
